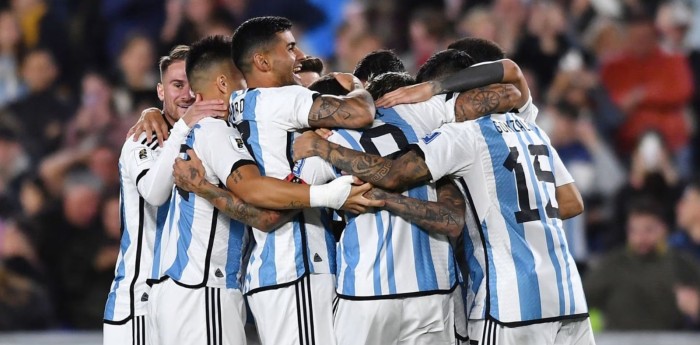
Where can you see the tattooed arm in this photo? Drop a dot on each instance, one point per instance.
(400, 174)
(446, 216)
(356, 110)
(495, 98)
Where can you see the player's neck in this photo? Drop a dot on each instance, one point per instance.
(255, 81)
(213, 94)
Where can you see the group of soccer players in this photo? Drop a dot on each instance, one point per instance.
(456, 236)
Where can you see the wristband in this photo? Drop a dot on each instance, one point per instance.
(332, 194)
(473, 77)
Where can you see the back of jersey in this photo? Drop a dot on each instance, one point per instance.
(520, 249)
(268, 119)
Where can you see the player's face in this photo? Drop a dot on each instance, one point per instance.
(174, 91)
(286, 57)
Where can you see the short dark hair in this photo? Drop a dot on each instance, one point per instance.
(179, 53)
(387, 82)
(481, 50)
(328, 85)
(442, 64)
(205, 53)
(311, 64)
(646, 205)
(254, 33)
(376, 63)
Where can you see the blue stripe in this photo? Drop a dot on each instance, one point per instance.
(161, 216)
(250, 99)
(298, 247)
(454, 275)
(390, 116)
(422, 256)
(233, 257)
(184, 224)
(543, 218)
(476, 272)
(563, 248)
(390, 258)
(348, 137)
(493, 275)
(338, 262)
(351, 252)
(171, 210)
(267, 275)
(377, 260)
(330, 240)
(506, 191)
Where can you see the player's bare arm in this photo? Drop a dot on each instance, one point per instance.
(569, 200)
(246, 183)
(503, 71)
(152, 120)
(356, 110)
(495, 98)
(400, 174)
(446, 216)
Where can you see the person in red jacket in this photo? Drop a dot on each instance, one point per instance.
(650, 86)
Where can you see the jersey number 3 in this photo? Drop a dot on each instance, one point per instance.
(528, 213)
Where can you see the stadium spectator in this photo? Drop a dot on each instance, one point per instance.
(136, 76)
(687, 239)
(11, 46)
(95, 116)
(646, 285)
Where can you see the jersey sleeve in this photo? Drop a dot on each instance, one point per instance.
(221, 148)
(528, 112)
(449, 150)
(561, 174)
(156, 184)
(295, 107)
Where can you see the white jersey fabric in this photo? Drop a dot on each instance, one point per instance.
(143, 210)
(204, 246)
(520, 269)
(268, 119)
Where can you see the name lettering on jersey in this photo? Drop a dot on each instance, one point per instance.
(237, 106)
(142, 155)
(510, 126)
(430, 137)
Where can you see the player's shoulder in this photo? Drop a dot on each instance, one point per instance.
(140, 142)
(286, 91)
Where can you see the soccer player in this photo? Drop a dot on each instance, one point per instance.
(310, 69)
(200, 299)
(145, 185)
(376, 63)
(396, 267)
(525, 286)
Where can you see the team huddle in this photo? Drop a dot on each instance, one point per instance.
(374, 208)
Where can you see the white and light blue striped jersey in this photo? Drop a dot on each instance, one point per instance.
(268, 119)
(205, 246)
(520, 268)
(142, 229)
(382, 255)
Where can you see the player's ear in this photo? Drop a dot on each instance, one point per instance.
(261, 62)
(160, 91)
(222, 84)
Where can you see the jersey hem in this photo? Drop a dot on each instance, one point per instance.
(581, 316)
(399, 295)
(277, 286)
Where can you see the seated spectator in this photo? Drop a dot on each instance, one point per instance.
(688, 219)
(646, 285)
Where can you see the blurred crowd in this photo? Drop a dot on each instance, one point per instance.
(615, 82)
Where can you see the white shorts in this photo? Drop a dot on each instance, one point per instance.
(412, 320)
(206, 316)
(299, 314)
(133, 332)
(565, 332)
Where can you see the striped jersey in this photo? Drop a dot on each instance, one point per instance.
(520, 268)
(205, 246)
(142, 229)
(268, 119)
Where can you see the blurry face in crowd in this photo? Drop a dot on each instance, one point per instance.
(96, 91)
(80, 205)
(31, 198)
(641, 38)
(9, 30)
(284, 56)
(174, 91)
(199, 11)
(688, 209)
(137, 58)
(645, 233)
(39, 71)
(102, 162)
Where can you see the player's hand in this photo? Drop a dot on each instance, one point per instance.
(304, 145)
(357, 202)
(324, 132)
(189, 175)
(201, 109)
(151, 121)
(407, 94)
(347, 81)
